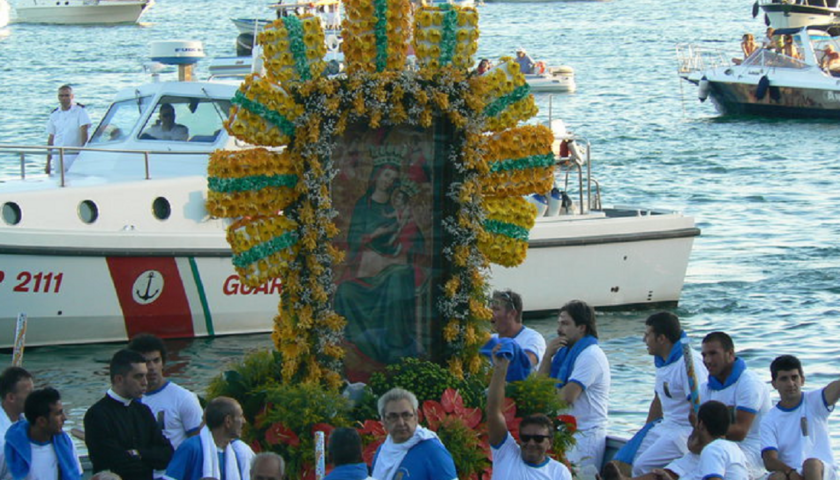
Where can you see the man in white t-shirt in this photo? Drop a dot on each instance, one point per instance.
(37, 448)
(67, 127)
(665, 440)
(510, 460)
(166, 128)
(741, 390)
(794, 434)
(15, 385)
(579, 364)
(177, 410)
(507, 321)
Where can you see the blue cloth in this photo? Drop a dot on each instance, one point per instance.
(520, 364)
(354, 471)
(428, 460)
(19, 453)
(675, 354)
(627, 453)
(188, 461)
(564, 360)
(737, 369)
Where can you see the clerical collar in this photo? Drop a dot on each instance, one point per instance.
(115, 396)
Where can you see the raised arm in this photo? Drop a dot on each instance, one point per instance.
(496, 426)
(832, 392)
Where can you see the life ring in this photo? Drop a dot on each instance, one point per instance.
(539, 67)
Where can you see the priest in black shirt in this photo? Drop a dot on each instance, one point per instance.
(120, 432)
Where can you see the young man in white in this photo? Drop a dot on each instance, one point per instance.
(794, 434)
(507, 321)
(15, 385)
(579, 364)
(67, 127)
(37, 448)
(741, 390)
(666, 440)
(510, 460)
(176, 409)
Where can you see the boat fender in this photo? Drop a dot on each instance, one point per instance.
(766, 20)
(775, 94)
(555, 201)
(244, 44)
(703, 91)
(755, 9)
(539, 67)
(539, 201)
(332, 42)
(761, 89)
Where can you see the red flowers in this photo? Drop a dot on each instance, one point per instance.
(570, 422)
(279, 433)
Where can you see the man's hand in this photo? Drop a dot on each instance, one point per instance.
(48, 168)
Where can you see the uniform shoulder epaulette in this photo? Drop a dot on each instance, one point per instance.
(81, 105)
(55, 110)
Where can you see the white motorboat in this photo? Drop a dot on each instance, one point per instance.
(552, 79)
(81, 12)
(329, 11)
(122, 243)
(798, 13)
(4, 13)
(768, 82)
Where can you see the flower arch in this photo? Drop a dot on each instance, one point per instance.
(280, 199)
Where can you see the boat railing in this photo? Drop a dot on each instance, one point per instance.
(22, 150)
(692, 58)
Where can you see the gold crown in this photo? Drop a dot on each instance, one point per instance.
(388, 155)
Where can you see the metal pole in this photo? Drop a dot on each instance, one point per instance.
(22, 165)
(61, 163)
(20, 340)
(146, 161)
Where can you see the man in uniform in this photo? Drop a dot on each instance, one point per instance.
(67, 127)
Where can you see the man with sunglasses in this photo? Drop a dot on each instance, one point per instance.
(507, 321)
(166, 128)
(410, 451)
(529, 460)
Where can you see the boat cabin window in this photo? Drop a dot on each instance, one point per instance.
(186, 119)
(120, 120)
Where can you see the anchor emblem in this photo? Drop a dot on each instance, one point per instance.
(147, 287)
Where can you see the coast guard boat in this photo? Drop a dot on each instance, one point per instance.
(122, 243)
(81, 12)
(768, 82)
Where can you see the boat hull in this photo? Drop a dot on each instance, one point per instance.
(79, 13)
(784, 15)
(732, 98)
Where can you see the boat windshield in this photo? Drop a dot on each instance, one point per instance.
(186, 119)
(768, 58)
(120, 120)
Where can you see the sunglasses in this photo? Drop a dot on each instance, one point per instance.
(537, 438)
(507, 297)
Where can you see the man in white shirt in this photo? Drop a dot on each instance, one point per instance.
(67, 127)
(176, 409)
(528, 461)
(579, 364)
(166, 128)
(507, 321)
(668, 425)
(741, 390)
(15, 385)
(794, 434)
(37, 448)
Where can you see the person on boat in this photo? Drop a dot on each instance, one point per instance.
(216, 452)
(121, 433)
(579, 364)
(748, 46)
(528, 461)
(37, 448)
(507, 321)
(740, 389)
(483, 66)
(165, 128)
(790, 48)
(409, 451)
(525, 62)
(831, 61)
(176, 409)
(772, 41)
(664, 436)
(67, 127)
(795, 442)
(268, 466)
(710, 456)
(15, 385)
(345, 451)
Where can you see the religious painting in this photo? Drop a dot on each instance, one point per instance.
(388, 196)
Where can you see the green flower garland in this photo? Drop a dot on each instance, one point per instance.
(258, 108)
(265, 249)
(297, 46)
(500, 104)
(253, 182)
(533, 161)
(448, 40)
(381, 33)
(507, 229)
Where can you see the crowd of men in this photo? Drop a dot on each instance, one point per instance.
(146, 427)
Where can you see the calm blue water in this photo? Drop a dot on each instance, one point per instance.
(766, 269)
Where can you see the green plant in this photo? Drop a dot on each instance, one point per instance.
(427, 381)
(535, 394)
(247, 381)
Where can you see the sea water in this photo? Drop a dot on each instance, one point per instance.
(764, 191)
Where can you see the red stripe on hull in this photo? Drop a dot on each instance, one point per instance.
(151, 296)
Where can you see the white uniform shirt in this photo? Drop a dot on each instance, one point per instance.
(749, 394)
(177, 132)
(686, 467)
(5, 423)
(592, 373)
(508, 464)
(65, 126)
(177, 411)
(44, 464)
(530, 340)
(723, 459)
(673, 390)
(801, 432)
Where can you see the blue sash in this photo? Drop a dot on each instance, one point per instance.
(564, 360)
(737, 369)
(675, 354)
(520, 364)
(627, 453)
(19, 453)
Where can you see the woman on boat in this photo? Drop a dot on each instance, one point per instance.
(831, 61)
(748, 46)
(790, 48)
